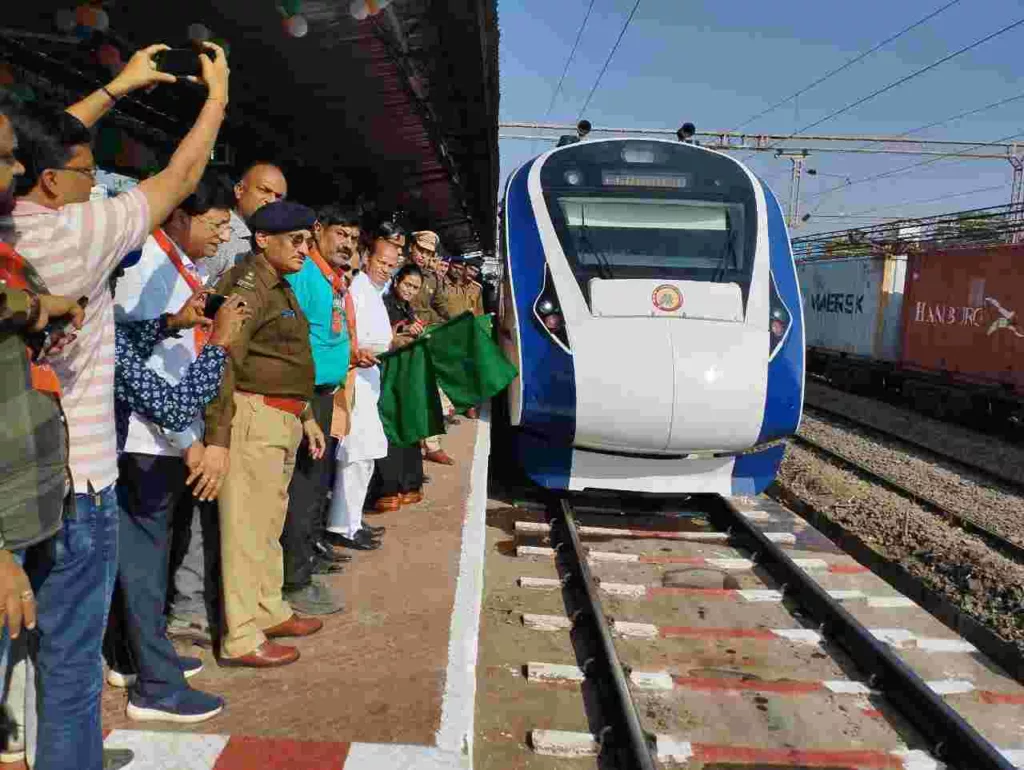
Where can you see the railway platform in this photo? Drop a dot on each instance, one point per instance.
(388, 682)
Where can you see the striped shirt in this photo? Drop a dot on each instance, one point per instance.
(75, 249)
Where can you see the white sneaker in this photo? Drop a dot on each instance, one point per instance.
(15, 752)
(189, 667)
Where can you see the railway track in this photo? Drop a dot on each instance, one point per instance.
(710, 637)
(995, 540)
(838, 415)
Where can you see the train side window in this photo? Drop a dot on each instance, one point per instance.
(976, 297)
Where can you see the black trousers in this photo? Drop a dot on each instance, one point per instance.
(400, 471)
(149, 488)
(307, 499)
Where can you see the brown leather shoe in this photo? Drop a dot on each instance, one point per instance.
(267, 655)
(440, 456)
(294, 626)
(411, 498)
(388, 504)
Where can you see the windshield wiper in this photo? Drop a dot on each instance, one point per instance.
(728, 251)
(604, 265)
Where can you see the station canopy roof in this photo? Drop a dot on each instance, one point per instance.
(399, 109)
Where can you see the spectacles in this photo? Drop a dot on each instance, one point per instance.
(88, 171)
(217, 227)
(298, 239)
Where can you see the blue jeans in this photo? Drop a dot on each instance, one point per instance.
(73, 577)
(149, 488)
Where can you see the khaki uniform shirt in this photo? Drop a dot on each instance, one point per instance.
(272, 355)
(463, 297)
(429, 304)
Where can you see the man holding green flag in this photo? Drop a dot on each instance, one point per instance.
(459, 357)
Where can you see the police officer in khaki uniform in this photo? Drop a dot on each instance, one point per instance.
(253, 432)
(463, 293)
(429, 303)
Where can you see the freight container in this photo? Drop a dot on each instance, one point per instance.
(853, 305)
(962, 315)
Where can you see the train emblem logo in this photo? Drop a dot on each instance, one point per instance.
(667, 298)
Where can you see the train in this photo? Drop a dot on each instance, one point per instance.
(938, 330)
(650, 302)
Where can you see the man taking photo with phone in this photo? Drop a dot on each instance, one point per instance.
(76, 244)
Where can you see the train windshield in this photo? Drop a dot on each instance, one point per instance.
(684, 214)
(684, 239)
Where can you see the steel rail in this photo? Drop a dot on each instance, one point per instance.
(951, 738)
(1012, 484)
(637, 750)
(992, 538)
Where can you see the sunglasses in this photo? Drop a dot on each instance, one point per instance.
(298, 239)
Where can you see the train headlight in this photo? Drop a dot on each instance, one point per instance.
(573, 177)
(779, 320)
(548, 313)
(554, 321)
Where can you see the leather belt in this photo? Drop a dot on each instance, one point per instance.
(289, 404)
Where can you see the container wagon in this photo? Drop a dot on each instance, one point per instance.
(938, 330)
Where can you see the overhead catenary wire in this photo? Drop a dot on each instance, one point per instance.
(906, 78)
(847, 64)
(607, 61)
(926, 126)
(910, 167)
(568, 61)
(936, 199)
(965, 114)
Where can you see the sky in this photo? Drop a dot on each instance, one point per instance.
(717, 64)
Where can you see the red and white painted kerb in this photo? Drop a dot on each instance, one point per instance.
(192, 751)
(673, 750)
(898, 638)
(847, 567)
(758, 595)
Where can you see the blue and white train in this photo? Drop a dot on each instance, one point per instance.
(650, 302)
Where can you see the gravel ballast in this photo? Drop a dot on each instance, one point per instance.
(994, 455)
(983, 583)
(973, 494)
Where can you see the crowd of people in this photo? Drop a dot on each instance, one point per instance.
(190, 378)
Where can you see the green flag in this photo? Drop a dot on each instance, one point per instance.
(470, 368)
(409, 406)
(459, 357)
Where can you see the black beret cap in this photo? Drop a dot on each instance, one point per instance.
(282, 217)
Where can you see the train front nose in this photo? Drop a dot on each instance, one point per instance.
(654, 380)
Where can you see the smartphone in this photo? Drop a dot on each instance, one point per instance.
(180, 62)
(40, 341)
(213, 304)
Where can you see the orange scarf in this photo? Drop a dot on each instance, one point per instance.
(13, 273)
(202, 335)
(339, 287)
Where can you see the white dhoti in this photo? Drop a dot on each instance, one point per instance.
(365, 443)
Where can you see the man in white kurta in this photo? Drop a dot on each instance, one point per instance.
(366, 441)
